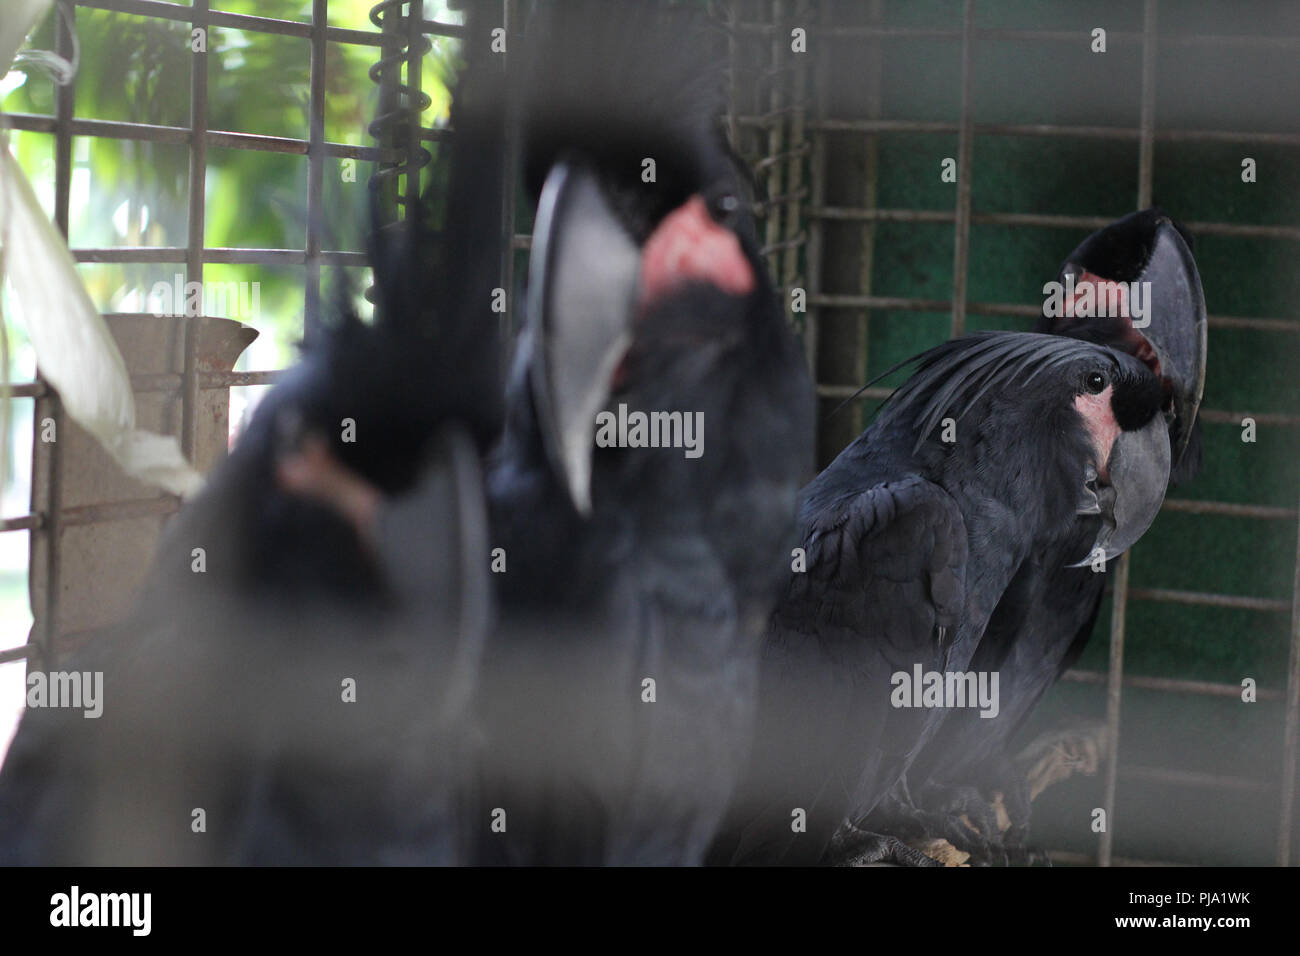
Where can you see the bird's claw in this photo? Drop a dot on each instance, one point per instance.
(852, 846)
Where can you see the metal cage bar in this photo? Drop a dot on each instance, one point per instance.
(965, 152)
(315, 172)
(197, 220)
(65, 97)
(1291, 728)
(511, 22)
(1119, 598)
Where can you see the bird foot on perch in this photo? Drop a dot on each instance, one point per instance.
(1060, 754)
(852, 846)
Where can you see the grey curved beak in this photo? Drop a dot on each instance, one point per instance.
(583, 276)
(1139, 475)
(1178, 329)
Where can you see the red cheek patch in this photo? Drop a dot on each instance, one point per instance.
(1101, 424)
(688, 246)
(1103, 289)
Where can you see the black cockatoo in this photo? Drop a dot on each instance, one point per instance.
(986, 455)
(288, 691)
(635, 580)
(1047, 613)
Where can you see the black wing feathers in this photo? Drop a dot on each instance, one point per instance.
(886, 570)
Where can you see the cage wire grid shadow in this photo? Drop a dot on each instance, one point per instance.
(845, 141)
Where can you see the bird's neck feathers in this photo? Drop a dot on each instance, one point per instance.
(1012, 459)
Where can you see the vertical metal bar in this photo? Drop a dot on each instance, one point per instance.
(733, 87)
(64, 107)
(775, 138)
(386, 72)
(1119, 605)
(817, 197)
(961, 245)
(1292, 726)
(509, 215)
(794, 175)
(414, 102)
(194, 246)
(1147, 139)
(874, 83)
(1114, 688)
(315, 169)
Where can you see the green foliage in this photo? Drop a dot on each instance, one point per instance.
(134, 193)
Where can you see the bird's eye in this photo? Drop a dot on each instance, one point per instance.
(725, 206)
(1095, 383)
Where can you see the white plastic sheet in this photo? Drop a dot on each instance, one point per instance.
(74, 349)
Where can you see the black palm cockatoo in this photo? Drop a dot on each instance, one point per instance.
(659, 424)
(1048, 612)
(988, 453)
(287, 691)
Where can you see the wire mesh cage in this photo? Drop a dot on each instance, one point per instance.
(1055, 133)
(849, 114)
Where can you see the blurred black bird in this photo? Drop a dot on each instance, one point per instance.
(1048, 612)
(913, 535)
(227, 733)
(638, 572)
